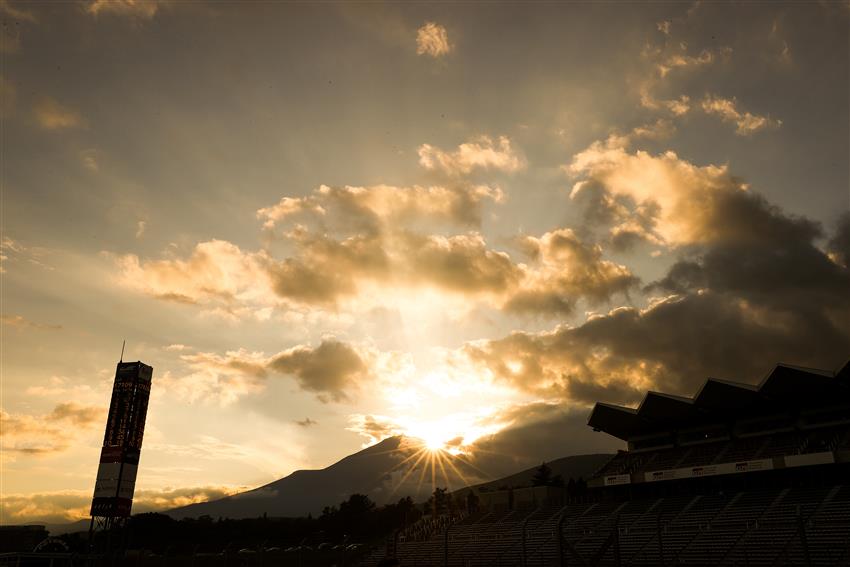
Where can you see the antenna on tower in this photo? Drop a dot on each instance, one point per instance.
(124, 342)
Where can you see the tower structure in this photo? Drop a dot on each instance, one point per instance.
(122, 445)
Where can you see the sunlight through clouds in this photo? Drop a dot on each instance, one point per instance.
(454, 223)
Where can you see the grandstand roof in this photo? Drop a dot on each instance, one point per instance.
(785, 387)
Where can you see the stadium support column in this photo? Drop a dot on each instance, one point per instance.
(617, 541)
(524, 550)
(446, 545)
(804, 540)
(562, 557)
(660, 540)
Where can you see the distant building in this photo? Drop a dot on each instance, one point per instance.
(21, 538)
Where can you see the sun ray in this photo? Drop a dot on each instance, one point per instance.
(422, 476)
(406, 459)
(422, 455)
(457, 471)
(462, 459)
(433, 474)
(439, 457)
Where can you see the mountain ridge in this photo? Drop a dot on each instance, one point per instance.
(387, 471)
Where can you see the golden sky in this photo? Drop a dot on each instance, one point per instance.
(324, 224)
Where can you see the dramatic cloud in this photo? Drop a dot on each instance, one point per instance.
(538, 431)
(432, 39)
(51, 115)
(352, 241)
(665, 199)
(48, 433)
(839, 245)
(481, 153)
(672, 346)
(461, 263)
(666, 58)
(374, 428)
(746, 123)
(749, 278)
(216, 273)
(676, 106)
(333, 371)
(683, 60)
(143, 9)
(213, 378)
(74, 505)
(566, 270)
(370, 208)
(330, 370)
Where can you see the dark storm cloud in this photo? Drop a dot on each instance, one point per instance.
(751, 288)
(839, 245)
(330, 370)
(542, 432)
(565, 270)
(333, 370)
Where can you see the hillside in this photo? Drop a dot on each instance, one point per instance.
(568, 467)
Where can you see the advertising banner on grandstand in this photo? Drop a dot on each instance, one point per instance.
(710, 470)
(617, 479)
(824, 458)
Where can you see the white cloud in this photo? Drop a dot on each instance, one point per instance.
(479, 153)
(144, 9)
(432, 39)
(49, 433)
(89, 159)
(745, 122)
(677, 199)
(217, 274)
(72, 505)
(51, 115)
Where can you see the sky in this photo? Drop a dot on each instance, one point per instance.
(324, 224)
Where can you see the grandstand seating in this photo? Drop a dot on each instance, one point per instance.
(758, 527)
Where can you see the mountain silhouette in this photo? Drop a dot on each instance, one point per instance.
(387, 471)
(567, 467)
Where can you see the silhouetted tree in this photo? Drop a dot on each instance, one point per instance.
(471, 502)
(439, 502)
(542, 476)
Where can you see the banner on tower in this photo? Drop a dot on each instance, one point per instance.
(122, 441)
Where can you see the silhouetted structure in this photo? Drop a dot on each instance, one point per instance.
(122, 445)
(737, 475)
(21, 538)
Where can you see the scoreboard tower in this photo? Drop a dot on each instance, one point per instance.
(122, 445)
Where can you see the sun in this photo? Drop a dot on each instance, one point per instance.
(434, 443)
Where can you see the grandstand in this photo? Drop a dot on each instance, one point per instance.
(737, 475)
